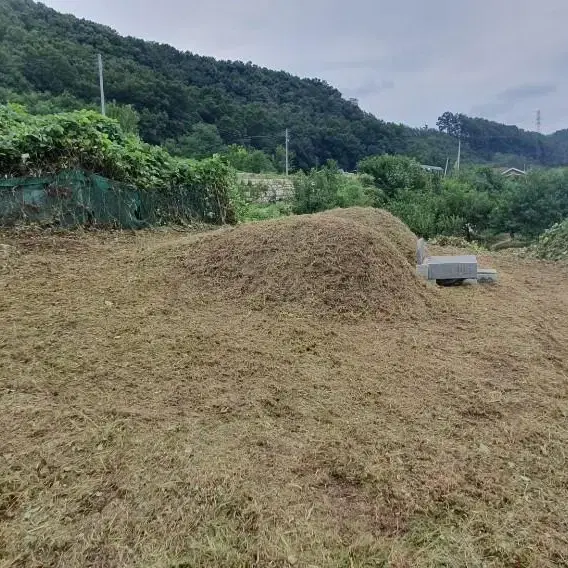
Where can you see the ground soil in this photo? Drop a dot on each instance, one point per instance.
(145, 427)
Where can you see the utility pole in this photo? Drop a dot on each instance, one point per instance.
(459, 153)
(538, 129)
(102, 85)
(447, 164)
(287, 159)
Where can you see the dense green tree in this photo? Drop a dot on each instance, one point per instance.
(279, 159)
(533, 203)
(446, 210)
(393, 173)
(452, 124)
(247, 160)
(126, 115)
(327, 188)
(484, 179)
(204, 140)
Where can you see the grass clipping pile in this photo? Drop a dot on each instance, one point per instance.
(319, 263)
(383, 222)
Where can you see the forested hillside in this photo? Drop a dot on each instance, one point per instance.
(504, 144)
(185, 101)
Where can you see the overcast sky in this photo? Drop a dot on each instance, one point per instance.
(405, 60)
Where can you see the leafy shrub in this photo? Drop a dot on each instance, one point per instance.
(328, 188)
(44, 145)
(416, 211)
(427, 203)
(533, 203)
(251, 161)
(260, 212)
(202, 141)
(553, 243)
(393, 173)
(126, 115)
(430, 213)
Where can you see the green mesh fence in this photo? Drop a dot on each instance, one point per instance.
(74, 198)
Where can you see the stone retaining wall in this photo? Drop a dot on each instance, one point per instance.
(267, 189)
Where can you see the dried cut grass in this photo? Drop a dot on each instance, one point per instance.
(138, 430)
(389, 226)
(318, 263)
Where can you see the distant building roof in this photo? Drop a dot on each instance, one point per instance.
(513, 172)
(431, 168)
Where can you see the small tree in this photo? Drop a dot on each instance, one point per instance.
(328, 188)
(533, 203)
(126, 115)
(393, 173)
(202, 141)
(251, 161)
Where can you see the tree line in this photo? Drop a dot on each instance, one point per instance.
(196, 106)
(478, 199)
(430, 203)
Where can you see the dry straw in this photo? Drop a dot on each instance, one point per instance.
(344, 262)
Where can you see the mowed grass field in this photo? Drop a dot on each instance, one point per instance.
(146, 420)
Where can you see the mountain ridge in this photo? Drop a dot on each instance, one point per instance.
(47, 61)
